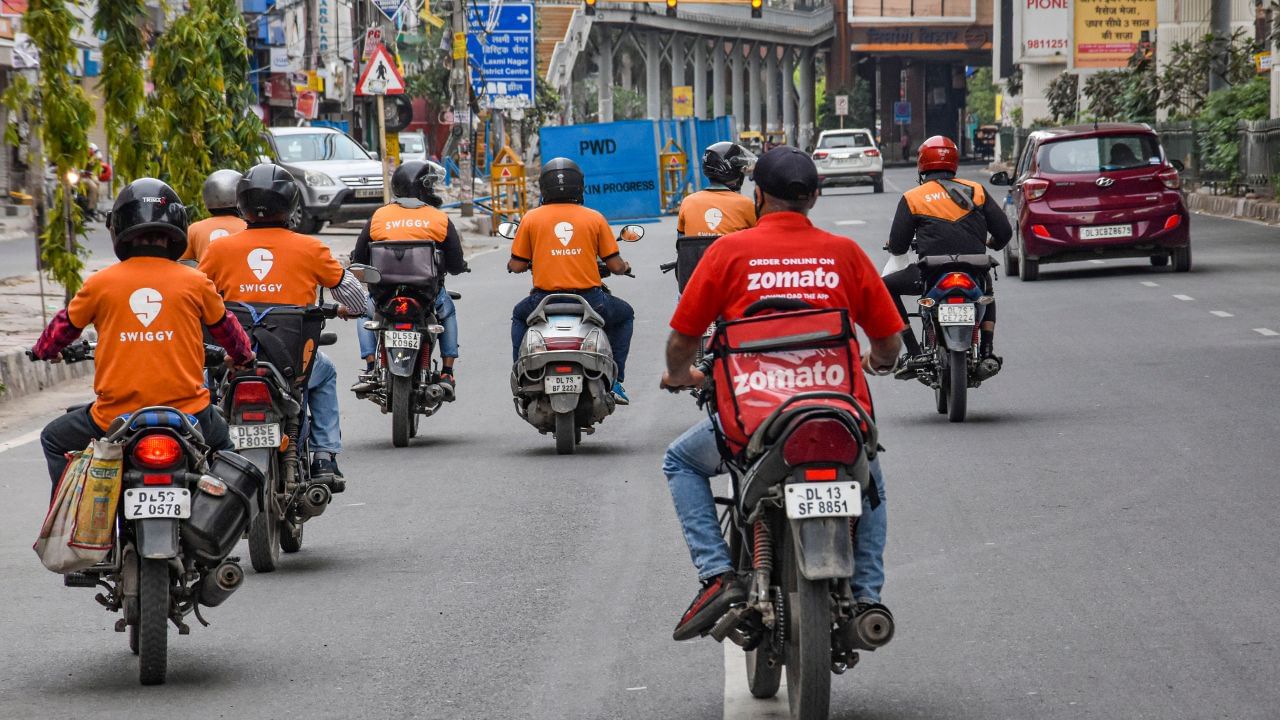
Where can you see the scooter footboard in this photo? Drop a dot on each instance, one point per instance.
(824, 550)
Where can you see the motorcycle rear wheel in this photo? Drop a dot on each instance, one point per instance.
(264, 531)
(808, 644)
(763, 679)
(402, 415)
(153, 620)
(566, 433)
(957, 385)
(288, 542)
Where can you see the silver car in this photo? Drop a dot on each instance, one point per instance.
(413, 146)
(339, 180)
(849, 157)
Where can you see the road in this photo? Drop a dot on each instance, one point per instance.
(1097, 541)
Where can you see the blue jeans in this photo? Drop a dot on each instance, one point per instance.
(322, 397)
(446, 315)
(689, 464)
(619, 319)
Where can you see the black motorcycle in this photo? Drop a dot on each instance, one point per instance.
(267, 415)
(180, 514)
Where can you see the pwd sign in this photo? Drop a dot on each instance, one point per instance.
(619, 161)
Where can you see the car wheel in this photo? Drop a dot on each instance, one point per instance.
(1030, 269)
(1010, 262)
(877, 185)
(1159, 260)
(305, 223)
(1181, 259)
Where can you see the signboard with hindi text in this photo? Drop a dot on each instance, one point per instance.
(1107, 32)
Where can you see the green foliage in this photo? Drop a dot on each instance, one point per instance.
(1130, 95)
(980, 96)
(229, 35)
(861, 112)
(1184, 82)
(18, 99)
(131, 134)
(426, 66)
(1220, 115)
(629, 104)
(1062, 97)
(1013, 83)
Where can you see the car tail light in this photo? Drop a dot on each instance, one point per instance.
(1173, 222)
(156, 451)
(821, 155)
(1034, 189)
(871, 153)
(1170, 178)
(400, 307)
(565, 343)
(952, 281)
(1040, 231)
(822, 440)
(252, 392)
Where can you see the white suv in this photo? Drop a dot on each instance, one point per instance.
(849, 157)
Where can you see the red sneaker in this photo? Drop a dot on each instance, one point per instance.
(717, 595)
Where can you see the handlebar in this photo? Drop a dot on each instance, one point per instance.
(667, 267)
(78, 351)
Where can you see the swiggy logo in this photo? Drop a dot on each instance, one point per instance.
(564, 231)
(145, 304)
(713, 216)
(260, 262)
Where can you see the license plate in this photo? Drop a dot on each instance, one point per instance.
(962, 314)
(1102, 232)
(249, 437)
(402, 339)
(157, 503)
(823, 499)
(556, 384)
(368, 192)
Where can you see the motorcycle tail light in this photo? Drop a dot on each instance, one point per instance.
(253, 416)
(823, 440)
(157, 452)
(400, 307)
(591, 343)
(820, 474)
(569, 343)
(157, 479)
(957, 300)
(1034, 189)
(404, 326)
(251, 393)
(564, 369)
(1170, 178)
(1173, 222)
(952, 281)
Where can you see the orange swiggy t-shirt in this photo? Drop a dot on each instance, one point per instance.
(715, 212)
(271, 265)
(563, 240)
(397, 223)
(200, 234)
(149, 314)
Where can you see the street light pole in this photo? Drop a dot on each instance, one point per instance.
(72, 179)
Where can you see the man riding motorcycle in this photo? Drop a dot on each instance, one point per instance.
(945, 215)
(219, 194)
(721, 208)
(561, 240)
(414, 216)
(148, 311)
(269, 263)
(722, 288)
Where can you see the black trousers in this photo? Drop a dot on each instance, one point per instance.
(909, 282)
(73, 431)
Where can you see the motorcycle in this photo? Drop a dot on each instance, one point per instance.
(181, 513)
(562, 382)
(951, 315)
(269, 421)
(408, 379)
(798, 472)
(689, 251)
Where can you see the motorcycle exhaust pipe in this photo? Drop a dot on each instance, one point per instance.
(435, 392)
(872, 628)
(314, 501)
(217, 586)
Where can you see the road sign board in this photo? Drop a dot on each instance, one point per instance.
(390, 8)
(500, 46)
(842, 104)
(380, 76)
(902, 112)
(372, 38)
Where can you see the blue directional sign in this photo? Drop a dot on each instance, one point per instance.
(500, 50)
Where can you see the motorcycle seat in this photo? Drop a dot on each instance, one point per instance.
(981, 262)
(564, 309)
(157, 417)
(564, 304)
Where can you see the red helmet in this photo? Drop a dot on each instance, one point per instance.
(936, 154)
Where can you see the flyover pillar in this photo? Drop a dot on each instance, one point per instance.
(789, 94)
(604, 63)
(736, 70)
(717, 77)
(807, 90)
(652, 76)
(700, 77)
(753, 85)
(678, 76)
(772, 122)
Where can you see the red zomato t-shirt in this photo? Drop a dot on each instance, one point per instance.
(784, 255)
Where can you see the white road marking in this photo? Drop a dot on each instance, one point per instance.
(642, 687)
(355, 504)
(738, 703)
(1220, 313)
(1148, 283)
(20, 440)
(1266, 332)
(851, 222)
(1098, 262)
(1183, 298)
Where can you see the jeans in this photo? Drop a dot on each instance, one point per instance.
(446, 315)
(322, 397)
(689, 464)
(73, 431)
(619, 319)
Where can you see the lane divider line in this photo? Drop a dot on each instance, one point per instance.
(1221, 313)
(1183, 298)
(20, 440)
(738, 702)
(1098, 262)
(1148, 283)
(1266, 332)
(851, 222)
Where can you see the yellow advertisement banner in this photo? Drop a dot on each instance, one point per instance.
(459, 46)
(682, 101)
(1107, 32)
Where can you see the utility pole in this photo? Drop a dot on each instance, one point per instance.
(1220, 26)
(460, 83)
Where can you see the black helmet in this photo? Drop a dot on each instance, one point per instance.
(416, 179)
(148, 206)
(267, 195)
(220, 188)
(561, 180)
(727, 163)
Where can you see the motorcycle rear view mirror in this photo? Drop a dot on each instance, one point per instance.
(1000, 178)
(508, 230)
(366, 274)
(631, 233)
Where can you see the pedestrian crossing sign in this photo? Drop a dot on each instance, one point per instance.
(380, 76)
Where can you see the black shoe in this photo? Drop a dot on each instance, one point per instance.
(715, 598)
(909, 366)
(324, 469)
(450, 386)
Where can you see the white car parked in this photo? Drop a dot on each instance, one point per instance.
(849, 157)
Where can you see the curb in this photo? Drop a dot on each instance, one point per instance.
(1237, 208)
(21, 377)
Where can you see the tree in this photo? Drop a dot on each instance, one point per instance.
(1219, 120)
(861, 113)
(980, 96)
(1184, 82)
(130, 132)
(1062, 97)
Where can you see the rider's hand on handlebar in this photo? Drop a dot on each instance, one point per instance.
(348, 314)
(231, 363)
(692, 378)
(871, 366)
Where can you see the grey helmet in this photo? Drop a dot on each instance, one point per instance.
(220, 190)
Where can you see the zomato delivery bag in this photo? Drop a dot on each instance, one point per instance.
(764, 361)
(80, 527)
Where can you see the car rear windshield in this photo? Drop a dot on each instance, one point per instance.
(1099, 154)
(318, 146)
(411, 144)
(845, 140)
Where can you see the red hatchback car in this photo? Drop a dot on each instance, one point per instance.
(1095, 191)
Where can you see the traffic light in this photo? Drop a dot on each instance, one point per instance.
(671, 8)
(589, 7)
(755, 9)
